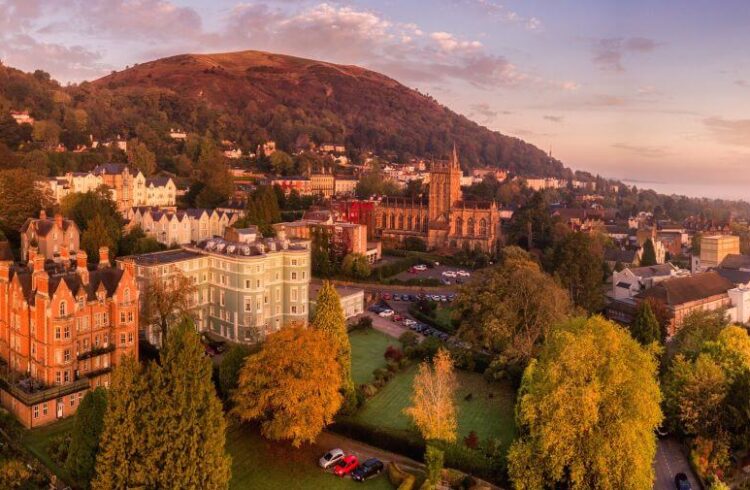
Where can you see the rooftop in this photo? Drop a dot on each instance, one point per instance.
(687, 289)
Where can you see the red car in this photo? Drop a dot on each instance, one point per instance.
(397, 318)
(346, 466)
(386, 296)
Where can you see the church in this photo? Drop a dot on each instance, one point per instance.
(445, 221)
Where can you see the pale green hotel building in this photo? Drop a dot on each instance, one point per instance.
(246, 286)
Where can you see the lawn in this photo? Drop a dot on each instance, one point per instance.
(488, 417)
(37, 441)
(258, 463)
(368, 347)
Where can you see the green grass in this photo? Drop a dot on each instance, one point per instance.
(37, 442)
(368, 347)
(488, 417)
(258, 463)
(443, 318)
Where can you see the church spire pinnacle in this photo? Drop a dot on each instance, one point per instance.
(454, 156)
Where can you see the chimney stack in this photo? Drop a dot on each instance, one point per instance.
(103, 257)
(39, 263)
(59, 220)
(33, 251)
(65, 256)
(42, 214)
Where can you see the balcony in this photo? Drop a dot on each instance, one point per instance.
(97, 351)
(30, 391)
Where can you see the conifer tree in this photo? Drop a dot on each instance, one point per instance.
(649, 254)
(118, 462)
(645, 328)
(329, 318)
(84, 443)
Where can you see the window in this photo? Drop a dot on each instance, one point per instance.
(130, 337)
(63, 308)
(66, 332)
(294, 294)
(247, 283)
(470, 227)
(66, 355)
(67, 376)
(294, 261)
(221, 298)
(248, 305)
(57, 333)
(122, 317)
(58, 378)
(122, 339)
(130, 317)
(72, 400)
(44, 409)
(96, 341)
(294, 276)
(36, 411)
(483, 227)
(294, 309)
(459, 226)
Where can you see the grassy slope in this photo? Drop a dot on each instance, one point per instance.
(368, 347)
(258, 463)
(487, 417)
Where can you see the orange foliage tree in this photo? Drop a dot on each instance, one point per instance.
(433, 408)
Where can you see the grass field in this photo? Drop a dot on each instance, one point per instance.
(368, 347)
(37, 441)
(258, 463)
(488, 417)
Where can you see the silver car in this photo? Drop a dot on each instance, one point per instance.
(331, 458)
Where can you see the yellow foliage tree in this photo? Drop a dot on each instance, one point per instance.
(291, 386)
(433, 406)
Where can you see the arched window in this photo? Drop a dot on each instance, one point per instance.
(127, 295)
(393, 221)
(416, 223)
(425, 223)
(385, 220)
(459, 226)
(409, 222)
(470, 227)
(483, 227)
(400, 221)
(63, 308)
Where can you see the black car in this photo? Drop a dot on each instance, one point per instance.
(681, 482)
(371, 467)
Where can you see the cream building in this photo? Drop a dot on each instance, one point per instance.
(714, 249)
(247, 286)
(182, 226)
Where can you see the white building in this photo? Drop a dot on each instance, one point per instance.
(631, 281)
(352, 299)
(182, 226)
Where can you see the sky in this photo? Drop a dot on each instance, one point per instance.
(656, 92)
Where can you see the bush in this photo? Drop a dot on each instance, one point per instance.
(58, 447)
(434, 459)
(368, 390)
(472, 440)
(409, 339)
(425, 350)
(393, 353)
(396, 475)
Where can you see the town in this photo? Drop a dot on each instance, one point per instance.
(256, 270)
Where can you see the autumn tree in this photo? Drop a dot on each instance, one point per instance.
(141, 158)
(292, 386)
(14, 474)
(167, 300)
(329, 318)
(508, 310)
(84, 442)
(433, 407)
(645, 328)
(20, 198)
(591, 384)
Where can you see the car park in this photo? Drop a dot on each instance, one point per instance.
(681, 482)
(331, 458)
(346, 466)
(368, 469)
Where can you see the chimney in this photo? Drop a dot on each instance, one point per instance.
(33, 251)
(39, 263)
(59, 220)
(103, 257)
(65, 256)
(42, 214)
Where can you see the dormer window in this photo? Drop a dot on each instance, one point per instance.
(63, 308)
(126, 295)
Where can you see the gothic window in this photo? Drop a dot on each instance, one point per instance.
(470, 227)
(459, 226)
(63, 308)
(425, 222)
(393, 221)
(408, 222)
(385, 220)
(483, 227)
(400, 221)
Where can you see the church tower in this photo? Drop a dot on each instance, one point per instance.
(445, 188)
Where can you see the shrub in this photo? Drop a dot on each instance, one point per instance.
(368, 390)
(395, 474)
(409, 339)
(392, 367)
(434, 459)
(416, 244)
(426, 350)
(472, 440)
(58, 447)
(393, 353)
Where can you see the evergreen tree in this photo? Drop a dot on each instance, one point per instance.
(229, 369)
(98, 234)
(645, 328)
(649, 254)
(118, 464)
(84, 442)
(329, 318)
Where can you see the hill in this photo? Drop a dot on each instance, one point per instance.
(257, 95)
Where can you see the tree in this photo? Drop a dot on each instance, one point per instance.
(98, 234)
(531, 225)
(262, 209)
(140, 157)
(47, 133)
(591, 384)
(84, 442)
(433, 407)
(356, 266)
(20, 198)
(415, 243)
(36, 161)
(292, 386)
(329, 318)
(281, 163)
(229, 369)
(323, 264)
(434, 459)
(576, 262)
(510, 309)
(167, 300)
(83, 207)
(13, 474)
(645, 328)
(213, 174)
(136, 242)
(649, 254)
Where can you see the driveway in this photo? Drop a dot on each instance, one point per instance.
(386, 326)
(670, 460)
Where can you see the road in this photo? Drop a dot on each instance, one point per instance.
(670, 460)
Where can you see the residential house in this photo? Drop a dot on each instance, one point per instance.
(322, 185)
(352, 300)
(345, 186)
(49, 236)
(180, 227)
(630, 281)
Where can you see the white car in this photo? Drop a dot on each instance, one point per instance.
(386, 313)
(420, 267)
(463, 273)
(449, 274)
(331, 458)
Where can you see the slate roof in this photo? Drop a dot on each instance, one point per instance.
(736, 276)
(653, 270)
(108, 277)
(109, 169)
(43, 226)
(735, 261)
(622, 256)
(687, 289)
(158, 181)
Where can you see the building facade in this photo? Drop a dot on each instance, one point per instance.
(246, 286)
(62, 329)
(444, 221)
(49, 236)
(715, 248)
(182, 226)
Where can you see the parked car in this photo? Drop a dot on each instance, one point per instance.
(386, 295)
(463, 273)
(450, 274)
(412, 297)
(681, 482)
(451, 297)
(420, 267)
(331, 458)
(386, 313)
(346, 466)
(397, 318)
(369, 468)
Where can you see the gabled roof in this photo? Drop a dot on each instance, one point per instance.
(618, 255)
(110, 168)
(108, 278)
(158, 181)
(682, 290)
(654, 270)
(43, 226)
(735, 261)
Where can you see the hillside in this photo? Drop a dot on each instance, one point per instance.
(251, 96)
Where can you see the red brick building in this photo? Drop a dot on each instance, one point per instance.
(62, 329)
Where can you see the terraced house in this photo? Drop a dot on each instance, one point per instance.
(62, 329)
(246, 286)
